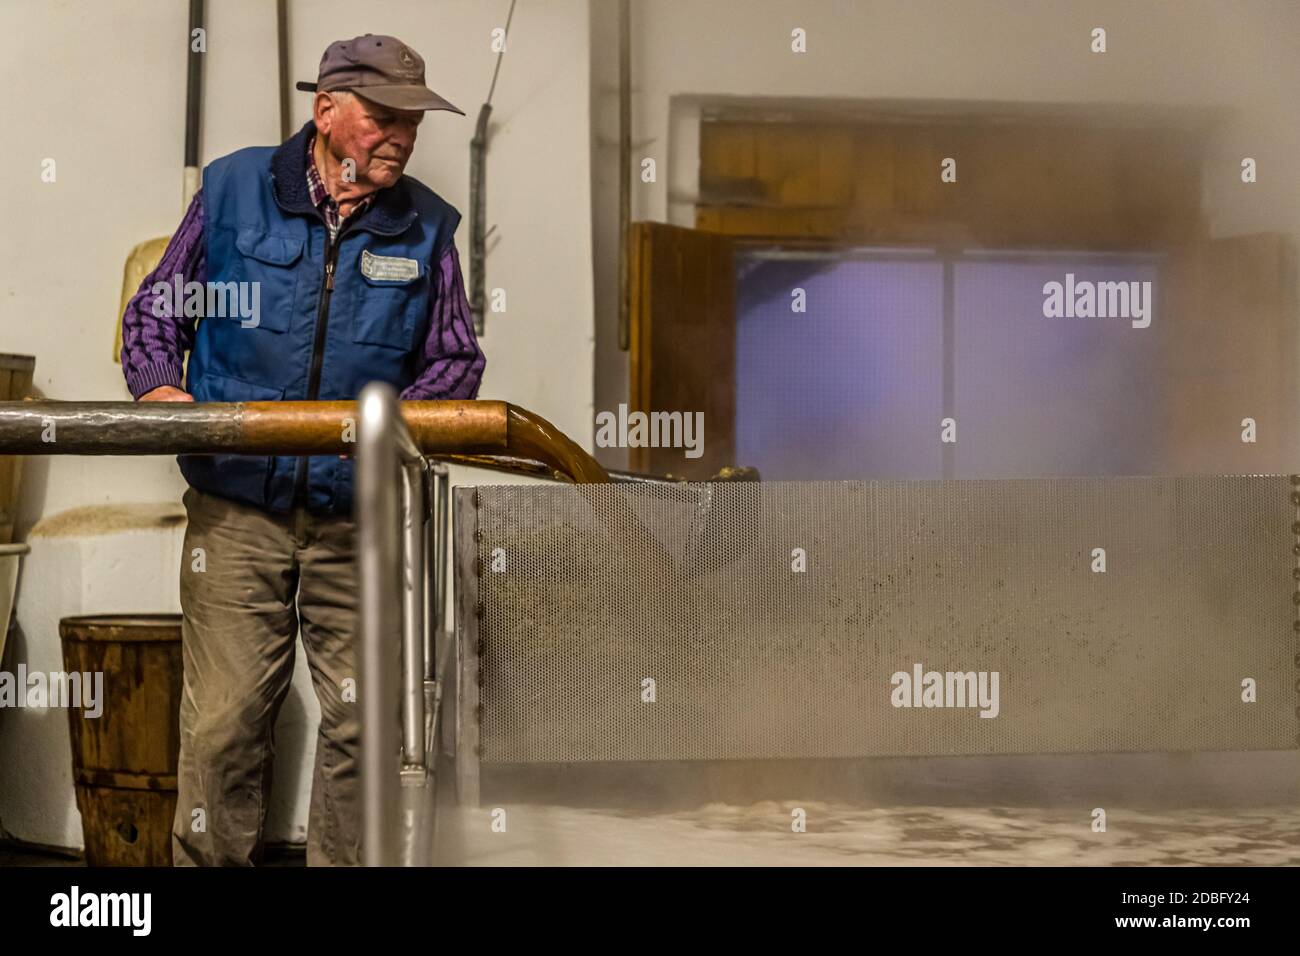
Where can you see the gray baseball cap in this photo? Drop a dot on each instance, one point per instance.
(379, 68)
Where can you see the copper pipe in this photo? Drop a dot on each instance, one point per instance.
(282, 428)
(238, 428)
(531, 436)
(478, 434)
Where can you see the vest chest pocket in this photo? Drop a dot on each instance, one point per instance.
(267, 280)
(390, 296)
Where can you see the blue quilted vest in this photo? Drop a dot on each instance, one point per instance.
(330, 318)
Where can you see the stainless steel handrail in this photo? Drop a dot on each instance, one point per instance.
(379, 620)
(393, 616)
(402, 617)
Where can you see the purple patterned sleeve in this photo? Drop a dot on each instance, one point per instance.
(451, 362)
(154, 347)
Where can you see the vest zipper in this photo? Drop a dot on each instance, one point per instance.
(317, 357)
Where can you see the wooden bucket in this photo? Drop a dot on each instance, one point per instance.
(124, 761)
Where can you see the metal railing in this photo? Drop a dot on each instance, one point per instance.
(392, 549)
(403, 534)
(402, 512)
(402, 527)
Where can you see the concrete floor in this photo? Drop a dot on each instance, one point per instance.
(762, 834)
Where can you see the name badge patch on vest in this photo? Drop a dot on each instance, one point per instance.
(388, 268)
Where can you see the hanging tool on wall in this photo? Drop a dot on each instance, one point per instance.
(282, 60)
(478, 195)
(144, 258)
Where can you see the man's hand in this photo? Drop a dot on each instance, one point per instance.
(166, 393)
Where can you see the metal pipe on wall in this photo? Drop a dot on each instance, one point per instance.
(282, 64)
(478, 219)
(193, 102)
(478, 230)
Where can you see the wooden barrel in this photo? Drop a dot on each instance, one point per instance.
(124, 760)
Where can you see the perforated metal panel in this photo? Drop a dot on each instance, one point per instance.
(584, 592)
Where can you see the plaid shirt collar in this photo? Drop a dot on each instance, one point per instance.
(322, 200)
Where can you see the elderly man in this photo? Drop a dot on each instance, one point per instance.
(354, 278)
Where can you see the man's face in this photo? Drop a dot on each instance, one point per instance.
(378, 139)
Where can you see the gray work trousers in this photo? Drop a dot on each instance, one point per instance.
(251, 581)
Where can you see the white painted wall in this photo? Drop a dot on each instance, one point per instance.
(1239, 57)
(99, 86)
(1198, 53)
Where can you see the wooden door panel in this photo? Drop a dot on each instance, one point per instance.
(683, 341)
(1229, 332)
